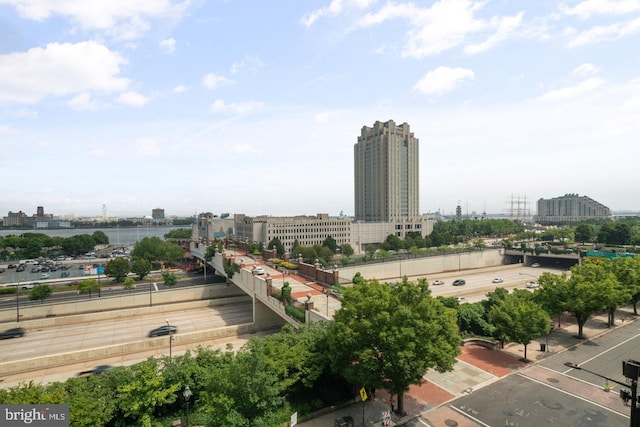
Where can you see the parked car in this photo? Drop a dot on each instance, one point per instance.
(259, 270)
(533, 285)
(95, 371)
(12, 333)
(438, 282)
(460, 299)
(535, 265)
(497, 280)
(45, 275)
(459, 282)
(11, 266)
(163, 330)
(1, 270)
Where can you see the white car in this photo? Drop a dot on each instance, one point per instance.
(45, 275)
(497, 280)
(259, 270)
(533, 285)
(460, 299)
(438, 282)
(535, 265)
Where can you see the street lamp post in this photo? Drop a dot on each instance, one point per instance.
(170, 339)
(18, 303)
(631, 370)
(187, 395)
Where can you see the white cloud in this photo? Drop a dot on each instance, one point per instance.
(506, 28)
(97, 152)
(584, 69)
(244, 149)
(23, 113)
(133, 99)
(249, 62)
(213, 81)
(147, 148)
(180, 89)
(336, 7)
(59, 70)
(127, 19)
(219, 106)
(575, 91)
(322, 117)
(444, 25)
(169, 46)
(442, 79)
(82, 102)
(605, 33)
(588, 8)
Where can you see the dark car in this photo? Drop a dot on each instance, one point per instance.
(95, 371)
(12, 333)
(459, 282)
(163, 330)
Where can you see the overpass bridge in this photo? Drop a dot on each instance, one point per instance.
(269, 311)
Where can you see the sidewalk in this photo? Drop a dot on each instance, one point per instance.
(477, 367)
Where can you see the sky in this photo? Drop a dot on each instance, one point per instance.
(230, 106)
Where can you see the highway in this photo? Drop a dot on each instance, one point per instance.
(71, 338)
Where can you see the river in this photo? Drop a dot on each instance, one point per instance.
(121, 236)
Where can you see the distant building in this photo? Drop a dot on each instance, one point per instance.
(386, 173)
(570, 208)
(14, 219)
(53, 223)
(157, 214)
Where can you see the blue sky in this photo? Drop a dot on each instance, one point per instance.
(254, 106)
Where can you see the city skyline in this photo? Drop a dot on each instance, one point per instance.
(205, 107)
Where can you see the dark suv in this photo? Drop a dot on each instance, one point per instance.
(459, 282)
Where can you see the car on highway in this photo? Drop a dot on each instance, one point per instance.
(459, 282)
(460, 299)
(497, 280)
(163, 330)
(533, 285)
(12, 333)
(29, 286)
(535, 265)
(95, 371)
(438, 282)
(259, 270)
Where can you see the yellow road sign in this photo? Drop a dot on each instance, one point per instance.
(363, 394)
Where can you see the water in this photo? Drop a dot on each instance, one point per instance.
(121, 236)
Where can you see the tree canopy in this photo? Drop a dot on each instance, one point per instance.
(389, 336)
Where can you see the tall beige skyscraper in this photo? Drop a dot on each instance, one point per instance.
(386, 173)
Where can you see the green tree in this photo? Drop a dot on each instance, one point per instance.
(129, 284)
(276, 244)
(143, 392)
(370, 250)
(179, 233)
(155, 250)
(578, 295)
(100, 238)
(330, 243)
(346, 249)
(518, 318)
(118, 268)
(87, 286)
(387, 337)
(584, 233)
(78, 244)
(40, 292)
(169, 279)
(141, 267)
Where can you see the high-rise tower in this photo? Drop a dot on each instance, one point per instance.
(386, 173)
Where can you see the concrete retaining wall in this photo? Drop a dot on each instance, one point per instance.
(424, 266)
(105, 302)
